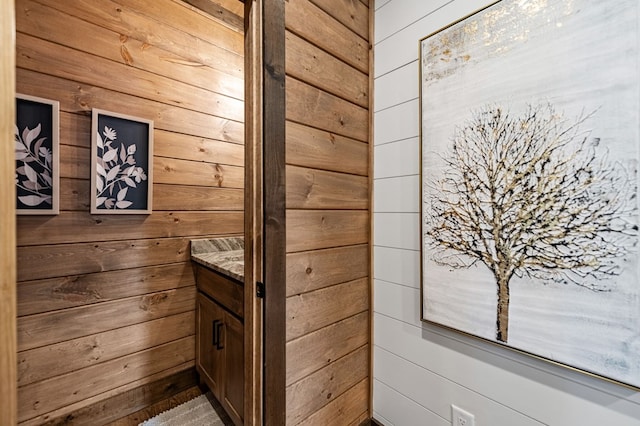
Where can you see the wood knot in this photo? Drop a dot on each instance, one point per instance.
(150, 301)
(309, 270)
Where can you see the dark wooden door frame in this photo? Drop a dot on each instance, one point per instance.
(273, 104)
(265, 216)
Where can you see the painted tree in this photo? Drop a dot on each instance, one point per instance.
(529, 195)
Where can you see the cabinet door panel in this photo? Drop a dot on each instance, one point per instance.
(209, 359)
(233, 392)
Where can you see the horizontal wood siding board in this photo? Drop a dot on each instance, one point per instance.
(312, 311)
(351, 13)
(75, 196)
(185, 172)
(75, 130)
(45, 22)
(127, 22)
(197, 198)
(318, 229)
(53, 59)
(186, 147)
(61, 413)
(80, 98)
(350, 408)
(115, 407)
(322, 387)
(76, 290)
(81, 227)
(313, 24)
(61, 358)
(306, 62)
(48, 261)
(182, 18)
(320, 348)
(38, 398)
(318, 189)
(316, 108)
(310, 147)
(53, 327)
(75, 163)
(315, 269)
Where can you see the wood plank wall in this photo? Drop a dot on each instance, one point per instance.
(327, 200)
(106, 302)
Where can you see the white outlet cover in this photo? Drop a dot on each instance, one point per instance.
(460, 417)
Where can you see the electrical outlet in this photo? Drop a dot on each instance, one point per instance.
(461, 417)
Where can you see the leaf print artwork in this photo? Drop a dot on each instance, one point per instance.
(116, 170)
(122, 163)
(34, 174)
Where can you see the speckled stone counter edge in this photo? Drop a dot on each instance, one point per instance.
(224, 255)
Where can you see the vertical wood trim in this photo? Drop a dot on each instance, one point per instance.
(273, 12)
(8, 344)
(371, 204)
(253, 228)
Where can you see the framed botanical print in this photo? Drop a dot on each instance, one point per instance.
(37, 155)
(121, 163)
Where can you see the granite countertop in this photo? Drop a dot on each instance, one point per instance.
(224, 255)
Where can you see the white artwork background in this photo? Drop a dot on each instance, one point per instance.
(580, 56)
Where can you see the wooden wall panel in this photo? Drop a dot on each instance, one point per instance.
(318, 229)
(80, 98)
(324, 150)
(312, 393)
(315, 269)
(316, 108)
(51, 294)
(45, 22)
(79, 227)
(132, 24)
(41, 397)
(106, 302)
(309, 312)
(341, 410)
(328, 218)
(8, 403)
(323, 70)
(64, 357)
(322, 29)
(316, 350)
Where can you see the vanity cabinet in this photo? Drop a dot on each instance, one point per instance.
(220, 338)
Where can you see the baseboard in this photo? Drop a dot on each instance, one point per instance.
(371, 422)
(126, 403)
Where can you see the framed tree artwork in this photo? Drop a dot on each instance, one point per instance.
(530, 122)
(121, 163)
(37, 155)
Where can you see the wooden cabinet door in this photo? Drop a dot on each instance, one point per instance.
(233, 386)
(209, 359)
